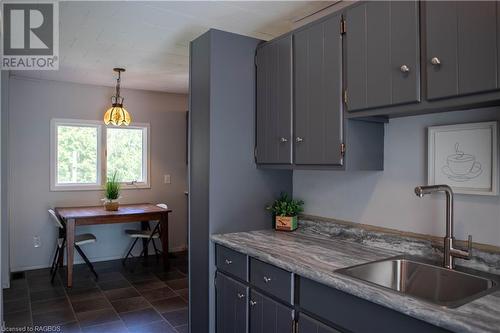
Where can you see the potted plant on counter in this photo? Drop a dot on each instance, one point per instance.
(285, 211)
(112, 194)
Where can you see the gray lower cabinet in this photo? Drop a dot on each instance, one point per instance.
(353, 314)
(232, 305)
(318, 127)
(462, 40)
(382, 54)
(306, 324)
(269, 316)
(243, 306)
(274, 102)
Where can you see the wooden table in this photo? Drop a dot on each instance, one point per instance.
(144, 213)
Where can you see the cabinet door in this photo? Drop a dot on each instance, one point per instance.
(461, 39)
(318, 90)
(269, 316)
(308, 325)
(231, 309)
(382, 54)
(274, 102)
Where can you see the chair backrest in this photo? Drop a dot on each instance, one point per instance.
(55, 219)
(162, 205)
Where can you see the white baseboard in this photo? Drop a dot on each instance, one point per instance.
(180, 248)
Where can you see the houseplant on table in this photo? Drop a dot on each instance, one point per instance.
(285, 211)
(112, 193)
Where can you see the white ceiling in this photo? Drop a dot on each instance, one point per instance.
(151, 39)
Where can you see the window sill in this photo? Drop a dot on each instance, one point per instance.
(65, 188)
(135, 186)
(72, 188)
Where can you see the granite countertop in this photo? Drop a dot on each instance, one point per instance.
(316, 256)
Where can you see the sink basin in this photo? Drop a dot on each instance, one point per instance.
(450, 288)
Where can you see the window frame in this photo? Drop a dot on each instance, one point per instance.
(54, 185)
(101, 156)
(145, 127)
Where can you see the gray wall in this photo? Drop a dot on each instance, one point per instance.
(227, 192)
(387, 199)
(4, 215)
(33, 103)
(2, 106)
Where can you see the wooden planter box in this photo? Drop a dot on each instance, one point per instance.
(286, 223)
(111, 206)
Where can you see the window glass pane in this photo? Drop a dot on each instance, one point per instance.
(125, 154)
(76, 154)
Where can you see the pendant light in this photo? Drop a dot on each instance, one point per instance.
(116, 114)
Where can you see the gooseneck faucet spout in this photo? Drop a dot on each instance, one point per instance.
(449, 251)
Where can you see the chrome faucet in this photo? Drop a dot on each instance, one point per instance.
(449, 251)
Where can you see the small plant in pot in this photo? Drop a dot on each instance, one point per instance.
(112, 193)
(285, 211)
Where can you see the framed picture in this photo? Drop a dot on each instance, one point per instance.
(465, 157)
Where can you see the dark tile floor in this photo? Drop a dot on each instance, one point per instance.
(136, 298)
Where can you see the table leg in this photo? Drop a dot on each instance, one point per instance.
(70, 246)
(145, 226)
(164, 239)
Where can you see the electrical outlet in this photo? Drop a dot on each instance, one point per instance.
(166, 179)
(36, 241)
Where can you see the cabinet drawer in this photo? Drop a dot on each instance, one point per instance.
(273, 280)
(231, 262)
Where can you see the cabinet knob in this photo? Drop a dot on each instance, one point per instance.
(283, 140)
(253, 303)
(299, 139)
(267, 279)
(228, 262)
(240, 295)
(404, 69)
(435, 61)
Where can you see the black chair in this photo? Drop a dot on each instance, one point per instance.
(61, 243)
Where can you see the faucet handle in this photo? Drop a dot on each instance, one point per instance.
(464, 254)
(469, 247)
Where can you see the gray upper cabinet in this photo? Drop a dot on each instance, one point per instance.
(318, 90)
(461, 47)
(274, 102)
(382, 54)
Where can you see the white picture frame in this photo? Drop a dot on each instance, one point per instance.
(465, 157)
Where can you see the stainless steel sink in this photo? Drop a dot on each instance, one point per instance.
(431, 283)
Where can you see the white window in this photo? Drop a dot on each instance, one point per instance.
(127, 154)
(85, 153)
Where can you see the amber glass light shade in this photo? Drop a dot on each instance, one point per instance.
(117, 115)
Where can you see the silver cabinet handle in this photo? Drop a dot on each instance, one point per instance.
(240, 295)
(228, 262)
(404, 69)
(299, 139)
(435, 61)
(283, 140)
(267, 279)
(253, 303)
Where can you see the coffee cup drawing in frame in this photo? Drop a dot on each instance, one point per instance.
(461, 167)
(464, 156)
